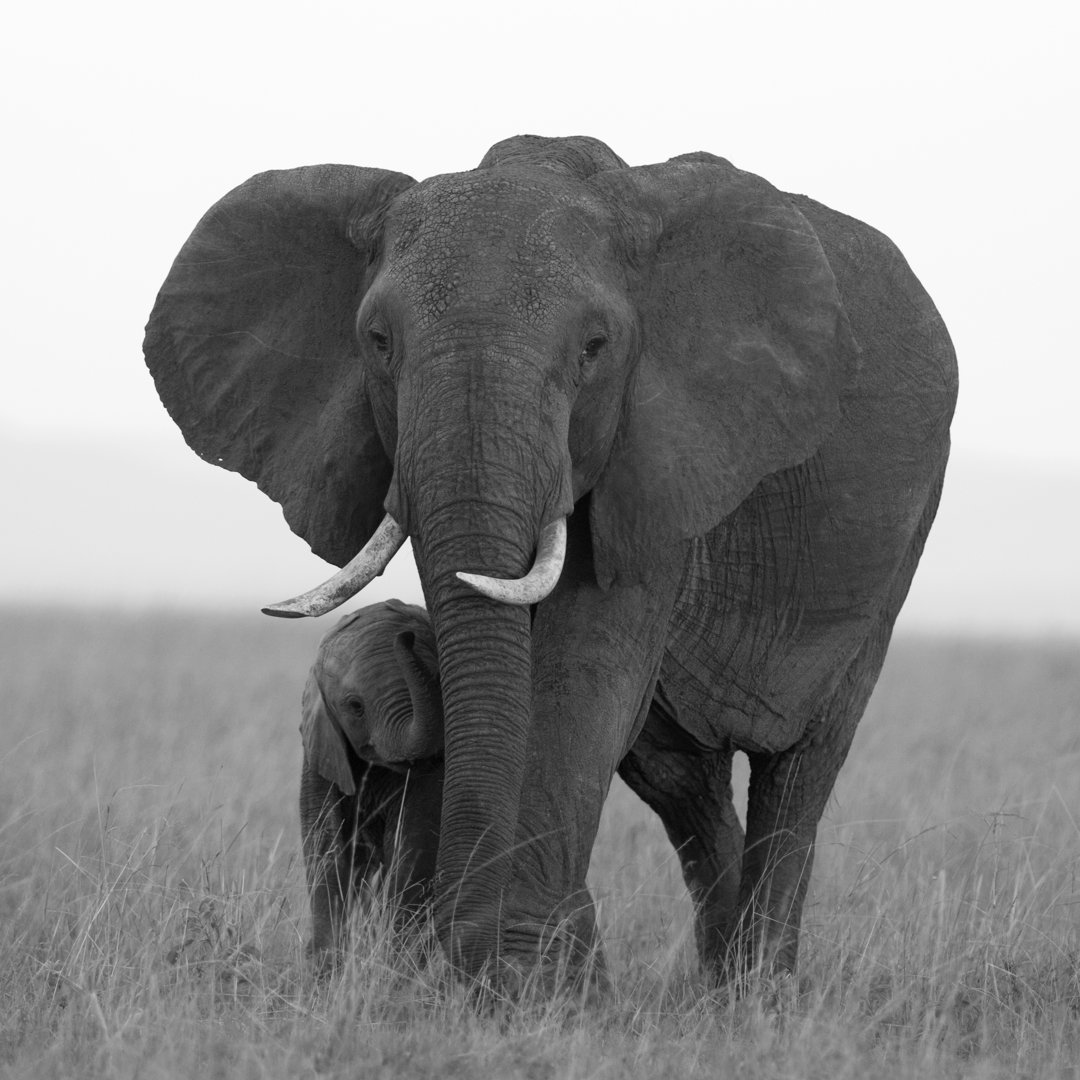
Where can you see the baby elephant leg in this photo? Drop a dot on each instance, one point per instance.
(337, 857)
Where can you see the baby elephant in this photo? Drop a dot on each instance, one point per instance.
(371, 786)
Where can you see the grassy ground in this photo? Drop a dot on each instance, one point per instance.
(152, 909)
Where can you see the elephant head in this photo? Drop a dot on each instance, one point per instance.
(469, 360)
(373, 693)
(371, 783)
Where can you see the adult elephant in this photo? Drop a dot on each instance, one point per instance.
(736, 399)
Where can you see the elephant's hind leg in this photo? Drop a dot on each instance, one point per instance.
(789, 790)
(787, 795)
(689, 787)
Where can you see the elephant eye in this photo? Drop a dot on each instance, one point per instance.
(355, 706)
(592, 347)
(380, 341)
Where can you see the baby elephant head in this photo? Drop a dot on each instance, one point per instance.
(373, 694)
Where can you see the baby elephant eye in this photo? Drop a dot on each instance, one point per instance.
(593, 346)
(355, 706)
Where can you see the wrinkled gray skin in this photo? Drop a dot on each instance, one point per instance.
(372, 778)
(741, 396)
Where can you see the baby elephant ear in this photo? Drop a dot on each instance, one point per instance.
(745, 351)
(251, 345)
(324, 745)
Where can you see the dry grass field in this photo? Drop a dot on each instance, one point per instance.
(152, 908)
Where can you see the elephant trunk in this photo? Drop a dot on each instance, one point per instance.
(479, 483)
(485, 660)
(485, 668)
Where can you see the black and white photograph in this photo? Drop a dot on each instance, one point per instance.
(540, 541)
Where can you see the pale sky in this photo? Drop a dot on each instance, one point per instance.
(951, 127)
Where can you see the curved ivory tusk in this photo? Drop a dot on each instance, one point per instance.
(368, 563)
(538, 582)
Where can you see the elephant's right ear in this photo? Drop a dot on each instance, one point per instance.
(251, 345)
(324, 745)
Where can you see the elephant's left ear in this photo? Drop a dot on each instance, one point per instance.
(745, 350)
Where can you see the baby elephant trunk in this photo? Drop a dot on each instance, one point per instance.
(424, 737)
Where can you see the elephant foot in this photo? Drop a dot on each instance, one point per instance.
(565, 970)
(563, 959)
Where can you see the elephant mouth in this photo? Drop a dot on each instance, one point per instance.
(424, 766)
(420, 766)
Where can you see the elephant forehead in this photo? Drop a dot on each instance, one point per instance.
(531, 207)
(471, 233)
(359, 659)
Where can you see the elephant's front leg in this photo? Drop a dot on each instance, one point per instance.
(596, 656)
(336, 858)
(322, 829)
